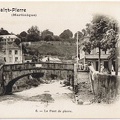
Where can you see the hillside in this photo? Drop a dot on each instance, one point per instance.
(62, 49)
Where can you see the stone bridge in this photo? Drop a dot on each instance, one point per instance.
(11, 73)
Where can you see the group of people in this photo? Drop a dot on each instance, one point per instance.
(102, 68)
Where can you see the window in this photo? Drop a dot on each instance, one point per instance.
(10, 52)
(105, 51)
(16, 59)
(97, 50)
(92, 52)
(96, 65)
(16, 52)
(10, 59)
(5, 59)
(4, 52)
(8, 40)
(106, 64)
(11, 39)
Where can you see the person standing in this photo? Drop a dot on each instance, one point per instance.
(101, 67)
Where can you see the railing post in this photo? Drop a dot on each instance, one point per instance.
(75, 79)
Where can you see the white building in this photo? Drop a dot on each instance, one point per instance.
(12, 52)
(94, 56)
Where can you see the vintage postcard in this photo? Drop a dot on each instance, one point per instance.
(59, 59)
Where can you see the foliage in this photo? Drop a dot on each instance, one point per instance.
(17, 41)
(102, 33)
(4, 32)
(57, 38)
(23, 36)
(24, 50)
(53, 48)
(87, 47)
(48, 38)
(80, 36)
(48, 34)
(66, 34)
(33, 34)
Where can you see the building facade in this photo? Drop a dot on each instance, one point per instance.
(12, 52)
(1, 58)
(94, 56)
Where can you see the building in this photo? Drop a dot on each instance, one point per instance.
(12, 52)
(94, 56)
(51, 59)
(1, 58)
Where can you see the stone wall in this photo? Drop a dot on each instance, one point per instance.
(105, 87)
(82, 76)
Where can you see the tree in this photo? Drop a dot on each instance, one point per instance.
(4, 32)
(49, 38)
(23, 36)
(33, 34)
(57, 38)
(47, 33)
(66, 34)
(80, 36)
(17, 41)
(33, 30)
(102, 32)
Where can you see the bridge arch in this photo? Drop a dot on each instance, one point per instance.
(13, 72)
(8, 87)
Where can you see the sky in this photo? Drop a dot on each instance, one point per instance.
(55, 16)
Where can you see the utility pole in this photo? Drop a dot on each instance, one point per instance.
(77, 47)
(6, 50)
(21, 52)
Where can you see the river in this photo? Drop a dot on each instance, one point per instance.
(51, 101)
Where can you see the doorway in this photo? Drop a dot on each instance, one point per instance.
(106, 64)
(96, 65)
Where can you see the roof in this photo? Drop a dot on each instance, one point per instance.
(51, 59)
(8, 36)
(105, 56)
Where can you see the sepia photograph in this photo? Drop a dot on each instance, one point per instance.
(59, 59)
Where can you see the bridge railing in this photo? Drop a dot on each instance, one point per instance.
(40, 65)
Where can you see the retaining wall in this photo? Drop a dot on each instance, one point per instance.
(105, 87)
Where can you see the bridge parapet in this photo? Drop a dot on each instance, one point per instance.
(40, 65)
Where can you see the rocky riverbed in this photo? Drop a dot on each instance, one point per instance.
(53, 101)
